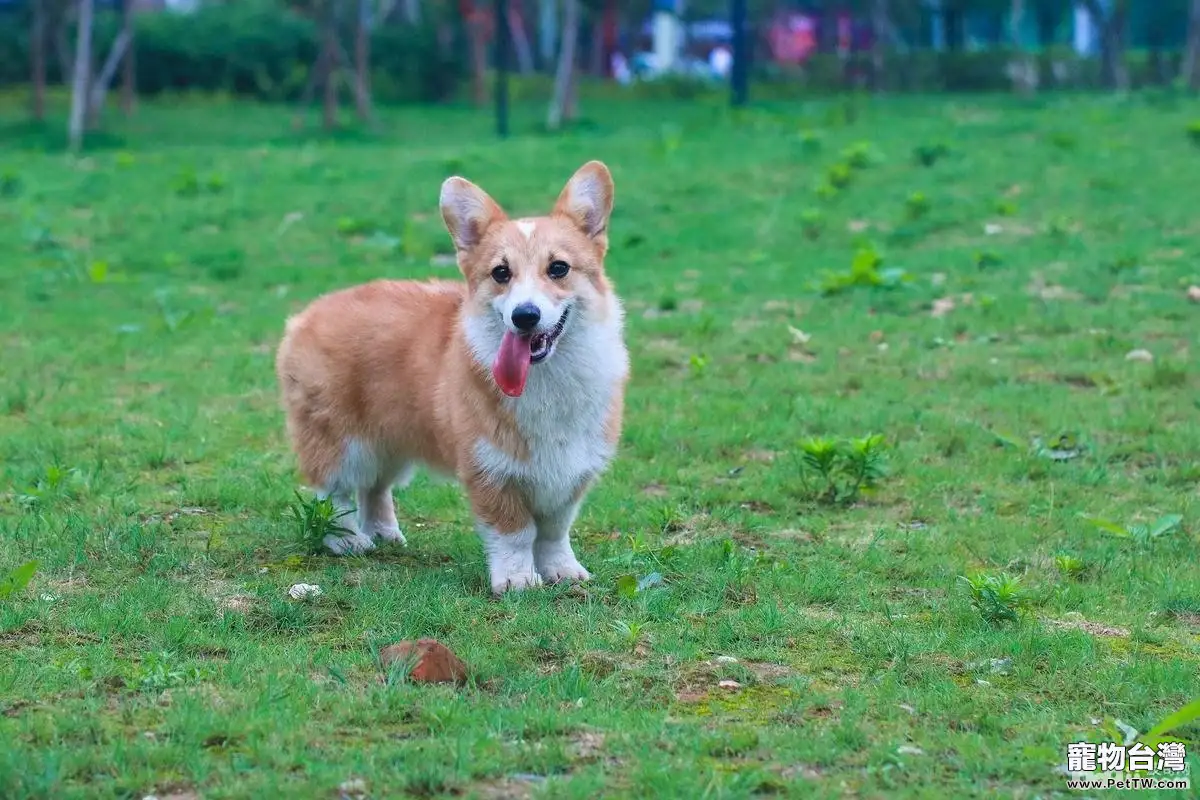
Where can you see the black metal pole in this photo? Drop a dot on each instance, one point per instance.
(503, 46)
(740, 74)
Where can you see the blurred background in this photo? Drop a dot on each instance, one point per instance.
(353, 54)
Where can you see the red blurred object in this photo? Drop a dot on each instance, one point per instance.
(792, 38)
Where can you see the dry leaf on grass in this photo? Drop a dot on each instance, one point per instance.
(432, 661)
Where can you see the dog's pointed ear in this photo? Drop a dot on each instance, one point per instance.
(468, 212)
(587, 200)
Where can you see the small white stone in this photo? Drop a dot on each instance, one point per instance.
(303, 591)
(909, 750)
(731, 685)
(726, 660)
(1139, 355)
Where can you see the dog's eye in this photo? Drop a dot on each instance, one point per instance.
(501, 274)
(559, 269)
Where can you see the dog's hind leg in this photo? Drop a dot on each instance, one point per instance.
(377, 508)
(357, 469)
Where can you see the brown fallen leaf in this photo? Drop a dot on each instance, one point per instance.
(732, 686)
(432, 661)
(942, 306)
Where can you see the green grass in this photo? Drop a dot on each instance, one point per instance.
(963, 277)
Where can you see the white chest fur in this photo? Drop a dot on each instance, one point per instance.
(562, 416)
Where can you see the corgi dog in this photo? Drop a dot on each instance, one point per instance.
(512, 381)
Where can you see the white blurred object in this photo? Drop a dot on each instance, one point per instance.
(721, 60)
(303, 591)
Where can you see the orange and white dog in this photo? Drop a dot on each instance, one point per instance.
(513, 382)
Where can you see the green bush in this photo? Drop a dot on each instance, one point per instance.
(255, 48)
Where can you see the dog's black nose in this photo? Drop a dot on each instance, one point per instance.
(526, 316)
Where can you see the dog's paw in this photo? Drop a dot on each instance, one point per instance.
(564, 571)
(388, 533)
(349, 545)
(515, 583)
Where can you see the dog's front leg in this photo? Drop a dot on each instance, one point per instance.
(508, 531)
(552, 551)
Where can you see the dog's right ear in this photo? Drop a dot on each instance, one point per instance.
(468, 212)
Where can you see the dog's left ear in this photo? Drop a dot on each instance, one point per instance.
(587, 200)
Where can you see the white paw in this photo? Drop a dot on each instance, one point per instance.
(515, 582)
(563, 570)
(388, 533)
(556, 561)
(350, 544)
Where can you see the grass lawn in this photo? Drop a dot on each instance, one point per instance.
(1011, 316)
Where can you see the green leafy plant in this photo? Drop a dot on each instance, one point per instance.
(929, 154)
(842, 469)
(631, 633)
(986, 259)
(826, 190)
(1193, 132)
(999, 598)
(810, 141)
(1140, 534)
(17, 579)
(865, 270)
(917, 205)
(839, 175)
(811, 222)
(1070, 566)
(859, 155)
(315, 519)
(1006, 208)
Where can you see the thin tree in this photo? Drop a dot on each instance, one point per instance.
(561, 101)
(1113, 69)
(129, 72)
(329, 62)
(880, 28)
(362, 61)
(1191, 60)
(81, 80)
(37, 59)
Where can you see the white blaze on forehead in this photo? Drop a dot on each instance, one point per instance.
(526, 227)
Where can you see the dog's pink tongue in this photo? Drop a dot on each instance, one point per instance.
(512, 364)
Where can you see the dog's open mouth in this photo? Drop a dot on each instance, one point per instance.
(540, 344)
(518, 352)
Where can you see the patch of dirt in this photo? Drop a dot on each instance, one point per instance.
(1050, 291)
(655, 490)
(801, 772)
(502, 789)
(1094, 628)
(586, 746)
(1188, 619)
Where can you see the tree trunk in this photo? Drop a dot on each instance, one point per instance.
(955, 26)
(561, 102)
(1191, 60)
(129, 73)
(81, 80)
(547, 31)
(1023, 67)
(329, 63)
(880, 27)
(520, 39)
(475, 36)
(1046, 15)
(362, 61)
(37, 59)
(1114, 72)
(98, 93)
